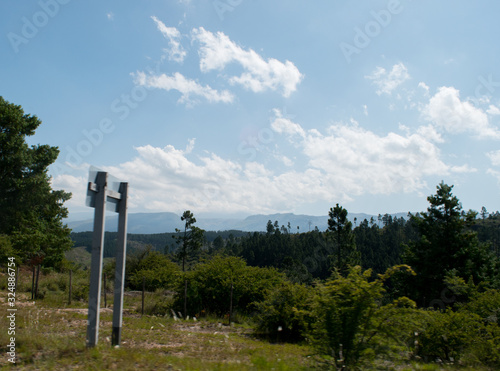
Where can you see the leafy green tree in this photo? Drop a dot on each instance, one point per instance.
(446, 244)
(349, 318)
(31, 213)
(340, 229)
(191, 240)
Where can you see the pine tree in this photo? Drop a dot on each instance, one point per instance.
(340, 230)
(447, 246)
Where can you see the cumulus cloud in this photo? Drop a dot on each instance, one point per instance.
(189, 89)
(217, 51)
(358, 161)
(176, 52)
(344, 162)
(340, 163)
(448, 112)
(387, 81)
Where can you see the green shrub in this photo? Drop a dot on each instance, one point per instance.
(449, 334)
(209, 286)
(486, 305)
(157, 270)
(350, 324)
(284, 314)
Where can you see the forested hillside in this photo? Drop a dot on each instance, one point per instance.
(308, 255)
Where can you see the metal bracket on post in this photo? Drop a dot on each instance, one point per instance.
(104, 192)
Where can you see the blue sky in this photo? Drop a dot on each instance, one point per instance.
(238, 106)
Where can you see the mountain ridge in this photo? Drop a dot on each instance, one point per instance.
(167, 222)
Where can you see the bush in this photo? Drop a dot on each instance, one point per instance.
(350, 322)
(157, 270)
(449, 334)
(285, 312)
(209, 286)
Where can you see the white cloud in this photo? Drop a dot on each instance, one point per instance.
(357, 161)
(110, 16)
(494, 157)
(448, 112)
(176, 52)
(284, 125)
(167, 179)
(493, 110)
(388, 81)
(217, 51)
(77, 185)
(338, 164)
(424, 86)
(284, 159)
(188, 88)
(344, 162)
(463, 169)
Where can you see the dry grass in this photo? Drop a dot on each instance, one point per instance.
(54, 338)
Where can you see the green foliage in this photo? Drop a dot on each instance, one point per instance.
(209, 286)
(285, 314)
(157, 270)
(340, 229)
(191, 240)
(449, 334)
(470, 334)
(6, 249)
(350, 318)
(31, 212)
(486, 305)
(381, 246)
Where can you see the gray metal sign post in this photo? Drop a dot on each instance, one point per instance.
(121, 255)
(105, 192)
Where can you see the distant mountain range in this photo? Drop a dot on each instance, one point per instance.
(149, 223)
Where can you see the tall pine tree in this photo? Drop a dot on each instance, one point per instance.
(340, 231)
(447, 246)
